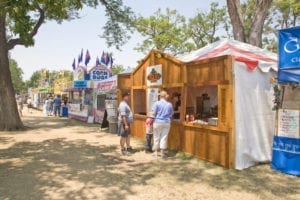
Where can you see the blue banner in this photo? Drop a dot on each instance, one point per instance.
(289, 55)
(286, 155)
(79, 84)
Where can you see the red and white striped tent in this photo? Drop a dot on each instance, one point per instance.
(253, 95)
(252, 56)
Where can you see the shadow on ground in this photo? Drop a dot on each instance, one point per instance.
(75, 169)
(50, 169)
(48, 123)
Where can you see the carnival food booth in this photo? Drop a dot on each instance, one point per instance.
(80, 95)
(103, 83)
(222, 96)
(107, 93)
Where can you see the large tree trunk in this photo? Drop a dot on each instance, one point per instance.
(236, 17)
(9, 116)
(257, 25)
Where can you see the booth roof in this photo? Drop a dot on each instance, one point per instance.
(127, 71)
(252, 56)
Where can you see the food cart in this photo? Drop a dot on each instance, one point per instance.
(226, 100)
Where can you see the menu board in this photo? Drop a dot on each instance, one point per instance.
(152, 97)
(288, 123)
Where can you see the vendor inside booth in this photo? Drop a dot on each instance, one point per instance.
(202, 105)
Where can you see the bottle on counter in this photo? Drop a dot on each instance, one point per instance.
(187, 118)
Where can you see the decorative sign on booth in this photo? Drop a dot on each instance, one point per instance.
(286, 145)
(99, 73)
(79, 84)
(154, 75)
(288, 123)
(109, 85)
(79, 73)
(74, 107)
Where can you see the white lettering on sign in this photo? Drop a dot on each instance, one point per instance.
(292, 45)
(295, 60)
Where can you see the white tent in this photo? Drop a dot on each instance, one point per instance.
(254, 118)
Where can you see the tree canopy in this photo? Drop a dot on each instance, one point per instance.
(202, 29)
(163, 31)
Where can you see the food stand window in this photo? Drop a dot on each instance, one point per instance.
(139, 96)
(202, 105)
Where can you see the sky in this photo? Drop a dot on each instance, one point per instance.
(56, 45)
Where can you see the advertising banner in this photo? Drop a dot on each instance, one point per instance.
(286, 145)
(80, 84)
(289, 55)
(100, 73)
(79, 73)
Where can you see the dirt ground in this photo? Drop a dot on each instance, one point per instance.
(59, 158)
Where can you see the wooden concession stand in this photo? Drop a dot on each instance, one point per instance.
(205, 89)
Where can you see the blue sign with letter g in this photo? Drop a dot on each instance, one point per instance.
(289, 55)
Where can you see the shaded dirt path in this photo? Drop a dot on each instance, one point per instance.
(58, 158)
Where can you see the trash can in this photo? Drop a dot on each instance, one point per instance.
(64, 112)
(113, 125)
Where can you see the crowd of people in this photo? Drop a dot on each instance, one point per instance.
(52, 106)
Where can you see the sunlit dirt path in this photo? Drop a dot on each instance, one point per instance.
(59, 158)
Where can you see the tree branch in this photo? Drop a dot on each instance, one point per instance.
(17, 41)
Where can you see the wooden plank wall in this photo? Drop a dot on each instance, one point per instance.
(124, 81)
(138, 128)
(206, 144)
(214, 70)
(171, 68)
(174, 138)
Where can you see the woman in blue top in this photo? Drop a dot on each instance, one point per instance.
(163, 111)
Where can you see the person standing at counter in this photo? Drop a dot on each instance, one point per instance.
(125, 119)
(163, 111)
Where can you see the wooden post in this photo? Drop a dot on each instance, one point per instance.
(231, 137)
